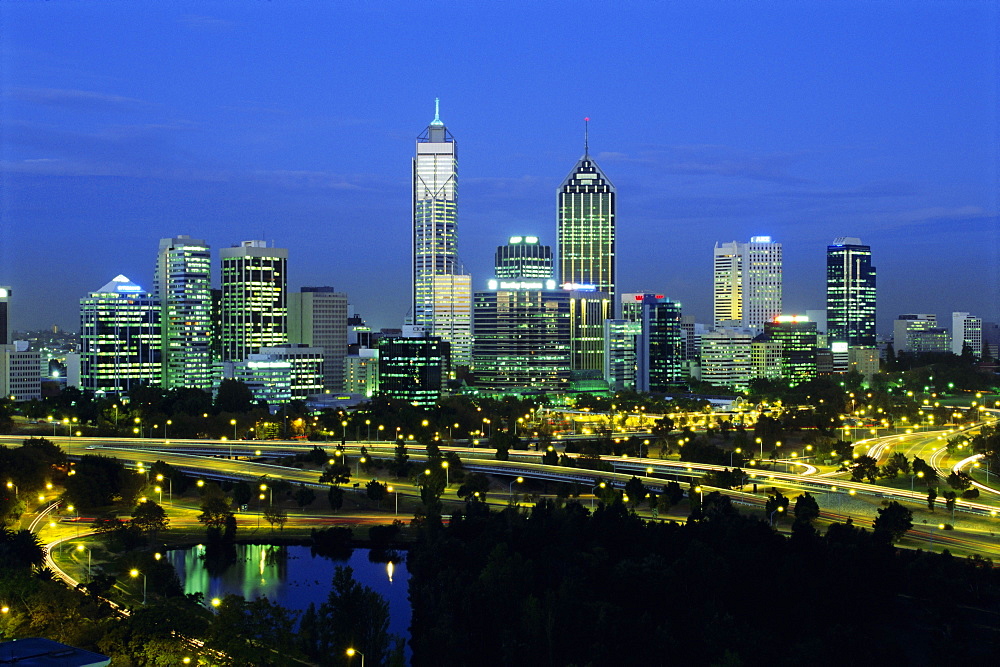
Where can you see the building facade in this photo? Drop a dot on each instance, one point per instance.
(725, 359)
(522, 330)
(4, 315)
(120, 338)
(182, 283)
(305, 368)
(413, 368)
(254, 307)
(620, 344)
(523, 257)
(586, 238)
(967, 332)
(20, 373)
(442, 292)
(317, 317)
(747, 281)
(906, 329)
(659, 349)
(850, 293)
(797, 337)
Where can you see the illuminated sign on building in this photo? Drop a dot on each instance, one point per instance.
(521, 284)
(760, 239)
(791, 318)
(579, 287)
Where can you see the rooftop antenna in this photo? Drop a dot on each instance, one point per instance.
(586, 137)
(437, 112)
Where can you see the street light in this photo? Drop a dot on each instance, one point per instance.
(13, 486)
(738, 450)
(170, 486)
(357, 466)
(159, 490)
(779, 509)
(80, 547)
(447, 475)
(510, 487)
(919, 474)
(165, 425)
(232, 422)
(136, 573)
(352, 651)
(395, 495)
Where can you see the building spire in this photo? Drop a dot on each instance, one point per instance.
(586, 137)
(437, 112)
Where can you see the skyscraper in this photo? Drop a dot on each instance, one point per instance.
(254, 299)
(850, 293)
(797, 336)
(119, 338)
(747, 282)
(183, 287)
(585, 230)
(967, 331)
(658, 347)
(441, 305)
(523, 257)
(317, 317)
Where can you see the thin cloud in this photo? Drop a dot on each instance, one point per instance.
(85, 100)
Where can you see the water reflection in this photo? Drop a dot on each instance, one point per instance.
(291, 576)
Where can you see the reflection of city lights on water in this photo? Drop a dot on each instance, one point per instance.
(389, 568)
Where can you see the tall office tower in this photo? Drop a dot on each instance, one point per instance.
(967, 331)
(725, 358)
(254, 300)
(317, 317)
(620, 342)
(4, 315)
(452, 321)
(522, 336)
(585, 233)
(850, 293)
(747, 282)
(523, 257)
(659, 358)
(182, 284)
(413, 368)
(119, 338)
(442, 293)
(797, 336)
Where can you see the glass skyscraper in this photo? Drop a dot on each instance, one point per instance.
(183, 286)
(119, 338)
(441, 305)
(585, 230)
(850, 293)
(254, 299)
(523, 257)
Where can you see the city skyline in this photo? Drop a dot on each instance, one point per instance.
(884, 128)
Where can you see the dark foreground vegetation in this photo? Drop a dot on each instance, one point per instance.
(560, 586)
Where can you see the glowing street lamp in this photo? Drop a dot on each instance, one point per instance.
(80, 547)
(779, 509)
(395, 495)
(170, 486)
(510, 487)
(447, 476)
(232, 422)
(352, 651)
(136, 573)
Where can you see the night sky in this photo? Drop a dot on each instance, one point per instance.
(294, 121)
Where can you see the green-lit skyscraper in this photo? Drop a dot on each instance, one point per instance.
(183, 286)
(254, 299)
(850, 293)
(119, 338)
(585, 229)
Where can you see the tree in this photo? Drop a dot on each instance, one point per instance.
(336, 474)
(304, 495)
(215, 511)
(335, 495)
(901, 462)
(401, 460)
(274, 514)
(864, 467)
(474, 483)
(931, 497)
(892, 522)
(635, 490)
(242, 493)
(233, 397)
(354, 616)
(776, 503)
(20, 550)
(806, 509)
(959, 481)
(150, 518)
(550, 457)
(376, 490)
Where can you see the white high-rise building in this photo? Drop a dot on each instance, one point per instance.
(967, 330)
(182, 284)
(442, 292)
(747, 282)
(254, 299)
(317, 317)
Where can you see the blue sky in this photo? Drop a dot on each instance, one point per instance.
(295, 121)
